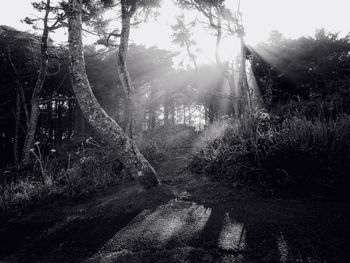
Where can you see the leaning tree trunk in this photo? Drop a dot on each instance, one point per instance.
(35, 111)
(123, 72)
(125, 149)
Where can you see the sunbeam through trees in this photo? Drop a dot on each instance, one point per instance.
(177, 131)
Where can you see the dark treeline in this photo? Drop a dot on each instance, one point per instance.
(310, 74)
(164, 95)
(306, 74)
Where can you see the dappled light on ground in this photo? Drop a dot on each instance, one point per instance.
(232, 236)
(174, 222)
(283, 248)
(239, 231)
(186, 219)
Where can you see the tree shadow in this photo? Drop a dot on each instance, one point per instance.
(273, 231)
(80, 237)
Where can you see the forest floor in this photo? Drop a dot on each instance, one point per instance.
(186, 219)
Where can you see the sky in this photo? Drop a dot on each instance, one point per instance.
(293, 18)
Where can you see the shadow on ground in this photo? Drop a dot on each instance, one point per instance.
(73, 232)
(239, 231)
(187, 219)
(207, 222)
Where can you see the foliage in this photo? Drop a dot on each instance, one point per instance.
(307, 69)
(291, 156)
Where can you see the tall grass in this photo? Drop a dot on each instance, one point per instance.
(296, 154)
(83, 170)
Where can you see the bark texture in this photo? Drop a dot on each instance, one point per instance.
(125, 149)
(124, 76)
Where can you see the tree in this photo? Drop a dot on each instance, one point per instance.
(244, 93)
(18, 52)
(183, 37)
(214, 11)
(125, 149)
(221, 19)
(128, 9)
(44, 60)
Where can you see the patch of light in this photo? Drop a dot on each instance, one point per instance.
(173, 221)
(232, 236)
(182, 224)
(194, 222)
(283, 248)
(229, 48)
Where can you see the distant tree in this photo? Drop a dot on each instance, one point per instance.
(214, 12)
(129, 10)
(16, 66)
(219, 19)
(126, 150)
(245, 92)
(183, 37)
(223, 21)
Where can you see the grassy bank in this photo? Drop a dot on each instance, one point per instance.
(293, 156)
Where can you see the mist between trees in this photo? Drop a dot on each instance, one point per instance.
(122, 93)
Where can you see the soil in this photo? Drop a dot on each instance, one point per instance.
(186, 219)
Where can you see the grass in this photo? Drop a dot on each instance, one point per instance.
(296, 155)
(81, 167)
(66, 175)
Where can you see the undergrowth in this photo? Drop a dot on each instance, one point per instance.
(156, 144)
(263, 153)
(75, 169)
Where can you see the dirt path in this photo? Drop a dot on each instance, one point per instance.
(187, 219)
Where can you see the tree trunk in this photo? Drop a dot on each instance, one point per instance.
(212, 110)
(19, 86)
(123, 72)
(206, 112)
(166, 110)
(243, 87)
(49, 121)
(217, 44)
(125, 149)
(152, 113)
(173, 111)
(59, 112)
(184, 113)
(17, 129)
(35, 111)
(69, 119)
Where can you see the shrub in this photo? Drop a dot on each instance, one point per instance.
(294, 155)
